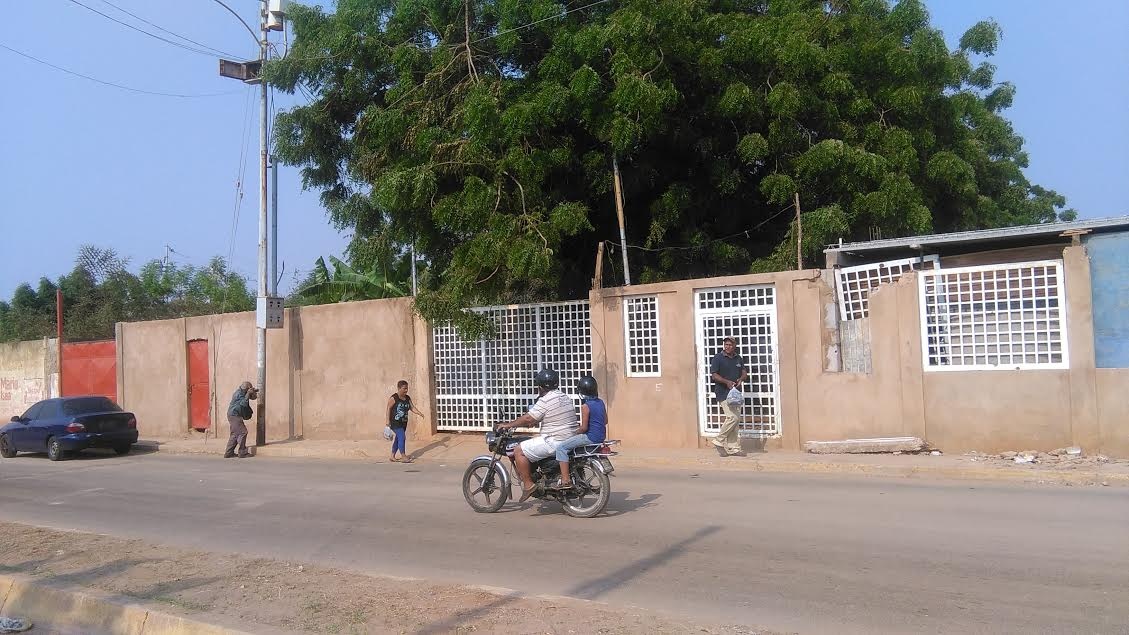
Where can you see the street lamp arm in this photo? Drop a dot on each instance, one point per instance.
(237, 17)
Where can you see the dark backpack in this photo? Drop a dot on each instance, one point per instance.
(246, 412)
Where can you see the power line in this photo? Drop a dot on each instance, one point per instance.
(744, 232)
(161, 28)
(143, 31)
(105, 83)
(535, 23)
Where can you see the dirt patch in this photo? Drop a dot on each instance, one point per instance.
(272, 596)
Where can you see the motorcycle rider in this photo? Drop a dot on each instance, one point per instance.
(556, 414)
(593, 426)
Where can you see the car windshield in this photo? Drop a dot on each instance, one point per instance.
(86, 405)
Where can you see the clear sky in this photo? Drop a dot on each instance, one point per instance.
(81, 162)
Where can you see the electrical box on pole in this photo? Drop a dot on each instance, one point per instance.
(248, 72)
(268, 313)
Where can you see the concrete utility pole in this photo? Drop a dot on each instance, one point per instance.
(264, 286)
(268, 312)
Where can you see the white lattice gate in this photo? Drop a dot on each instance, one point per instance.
(480, 383)
(748, 315)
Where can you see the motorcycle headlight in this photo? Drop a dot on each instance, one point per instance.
(490, 439)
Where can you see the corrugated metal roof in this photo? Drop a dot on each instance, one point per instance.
(981, 235)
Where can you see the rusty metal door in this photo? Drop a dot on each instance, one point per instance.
(90, 368)
(199, 389)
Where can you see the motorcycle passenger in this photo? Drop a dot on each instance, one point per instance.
(556, 414)
(593, 426)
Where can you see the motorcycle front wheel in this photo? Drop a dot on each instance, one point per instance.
(590, 494)
(485, 495)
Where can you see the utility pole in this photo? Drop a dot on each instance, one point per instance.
(268, 310)
(264, 287)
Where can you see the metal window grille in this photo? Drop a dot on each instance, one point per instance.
(748, 315)
(855, 284)
(480, 383)
(1010, 316)
(641, 330)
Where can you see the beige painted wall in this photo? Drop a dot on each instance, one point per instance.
(27, 375)
(152, 376)
(329, 371)
(1113, 410)
(663, 411)
(352, 355)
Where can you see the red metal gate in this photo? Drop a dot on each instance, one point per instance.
(90, 368)
(199, 393)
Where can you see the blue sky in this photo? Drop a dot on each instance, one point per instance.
(86, 163)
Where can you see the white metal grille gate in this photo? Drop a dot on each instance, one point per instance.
(483, 382)
(748, 315)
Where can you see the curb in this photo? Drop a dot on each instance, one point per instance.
(768, 465)
(899, 471)
(93, 612)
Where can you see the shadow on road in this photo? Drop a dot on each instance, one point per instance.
(599, 586)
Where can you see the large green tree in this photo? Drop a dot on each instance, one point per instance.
(484, 132)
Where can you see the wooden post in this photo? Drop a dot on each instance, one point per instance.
(619, 211)
(799, 236)
(59, 336)
(598, 278)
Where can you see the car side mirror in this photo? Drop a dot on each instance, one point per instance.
(16, 419)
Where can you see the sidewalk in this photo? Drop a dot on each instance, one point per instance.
(461, 448)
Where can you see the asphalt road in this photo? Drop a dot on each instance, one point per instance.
(804, 553)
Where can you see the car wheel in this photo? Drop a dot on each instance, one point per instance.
(54, 451)
(7, 450)
(123, 449)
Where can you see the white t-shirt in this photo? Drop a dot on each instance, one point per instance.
(557, 414)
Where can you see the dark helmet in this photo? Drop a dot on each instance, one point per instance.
(547, 378)
(587, 386)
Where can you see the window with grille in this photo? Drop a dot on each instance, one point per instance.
(479, 383)
(993, 317)
(855, 284)
(641, 329)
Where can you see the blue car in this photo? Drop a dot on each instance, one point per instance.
(69, 424)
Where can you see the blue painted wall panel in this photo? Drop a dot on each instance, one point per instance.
(1109, 277)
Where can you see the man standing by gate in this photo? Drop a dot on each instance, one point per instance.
(728, 371)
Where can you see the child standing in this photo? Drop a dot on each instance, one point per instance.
(593, 426)
(399, 405)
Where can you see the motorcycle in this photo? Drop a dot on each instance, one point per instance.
(487, 481)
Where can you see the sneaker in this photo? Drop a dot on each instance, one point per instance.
(229, 455)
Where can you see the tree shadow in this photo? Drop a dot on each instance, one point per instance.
(597, 587)
(451, 623)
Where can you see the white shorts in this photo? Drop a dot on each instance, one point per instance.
(538, 448)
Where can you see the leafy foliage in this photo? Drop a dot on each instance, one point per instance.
(484, 131)
(100, 292)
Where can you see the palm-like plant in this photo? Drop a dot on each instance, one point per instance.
(346, 284)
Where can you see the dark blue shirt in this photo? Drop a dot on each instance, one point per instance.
(597, 419)
(239, 403)
(729, 368)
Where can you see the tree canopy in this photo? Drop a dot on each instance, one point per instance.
(484, 132)
(100, 291)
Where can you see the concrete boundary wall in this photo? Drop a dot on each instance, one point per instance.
(332, 368)
(28, 373)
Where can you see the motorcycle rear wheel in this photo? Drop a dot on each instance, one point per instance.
(483, 497)
(591, 491)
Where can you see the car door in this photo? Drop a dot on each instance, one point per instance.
(45, 424)
(19, 434)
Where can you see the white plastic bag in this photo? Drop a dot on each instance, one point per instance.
(388, 434)
(735, 396)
